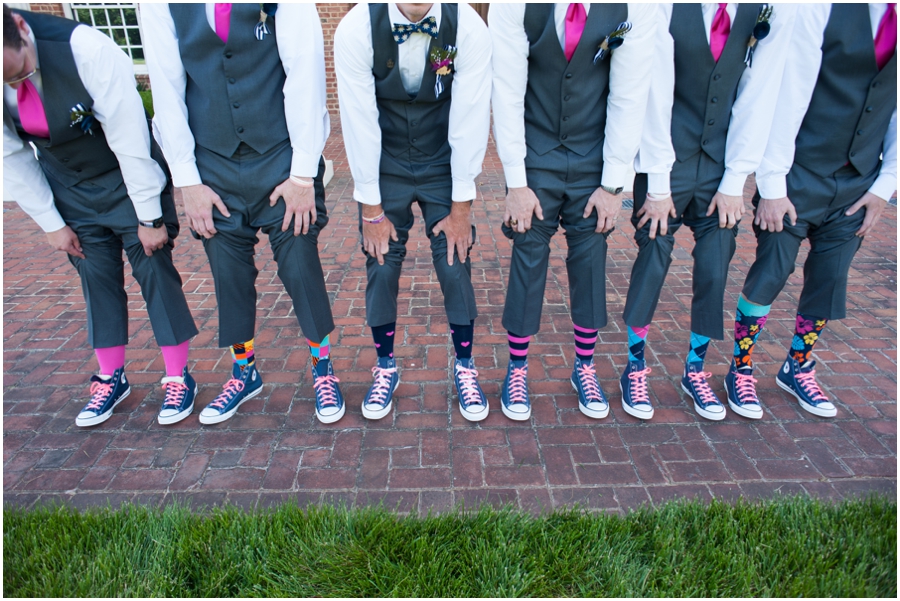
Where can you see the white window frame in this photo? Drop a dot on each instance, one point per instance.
(69, 9)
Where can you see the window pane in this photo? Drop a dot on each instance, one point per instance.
(83, 15)
(130, 16)
(100, 16)
(115, 17)
(134, 37)
(138, 55)
(119, 36)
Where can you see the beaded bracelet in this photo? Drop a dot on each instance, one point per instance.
(375, 220)
(302, 183)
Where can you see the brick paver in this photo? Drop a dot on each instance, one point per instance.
(425, 456)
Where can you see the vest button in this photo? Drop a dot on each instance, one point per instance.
(227, 55)
(711, 122)
(230, 80)
(65, 160)
(240, 130)
(568, 76)
(78, 171)
(717, 77)
(705, 142)
(414, 140)
(875, 84)
(236, 105)
(859, 132)
(567, 97)
(414, 123)
(868, 109)
(565, 136)
(565, 118)
(853, 153)
(715, 99)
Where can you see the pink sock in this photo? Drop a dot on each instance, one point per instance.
(110, 359)
(176, 358)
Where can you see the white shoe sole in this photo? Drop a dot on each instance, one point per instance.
(714, 416)
(806, 406)
(330, 419)
(740, 410)
(631, 410)
(378, 414)
(174, 419)
(474, 417)
(217, 419)
(519, 417)
(99, 419)
(589, 412)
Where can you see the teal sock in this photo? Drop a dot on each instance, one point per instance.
(699, 344)
(637, 339)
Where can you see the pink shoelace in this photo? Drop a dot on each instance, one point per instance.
(746, 388)
(232, 387)
(810, 386)
(638, 386)
(701, 387)
(100, 391)
(468, 385)
(587, 376)
(518, 389)
(174, 394)
(325, 389)
(382, 385)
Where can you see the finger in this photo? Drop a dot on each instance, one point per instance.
(711, 209)
(463, 250)
(437, 229)
(588, 209)
(854, 207)
(643, 220)
(299, 219)
(723, 217)
(732, 220)
(382, 250)
(793, 213)
(148, 251)
(654, 223)
(274, 196)
(526, 222)
(75, 251)
(672, 212)
(222, 208)
(307, 221)
(286, 222)
(451, 247)
(867, 223)
(663, 227)
(394, 234)
(779, 224)
(506, 217)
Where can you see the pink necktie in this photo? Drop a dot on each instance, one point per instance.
(31, 110)
(886, 38)
(575, 20)
(223, 20)
(718, 35)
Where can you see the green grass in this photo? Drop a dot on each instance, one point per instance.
(784, 548)
(147, 99)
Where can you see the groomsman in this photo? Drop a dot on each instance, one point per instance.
(829, 168)
(414, 83)
(98, 188)
(239, 95)
(707, 123)
(567, 99)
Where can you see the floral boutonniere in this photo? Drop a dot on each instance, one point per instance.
(265, 11)
(760, 31)
(612, 41)
(442, 64)
(82, 117)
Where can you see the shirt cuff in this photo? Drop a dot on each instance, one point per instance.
(772, 187)
(304, 165)
(658, 183)
(185, 174)
(463, 190)
(516, 177)
(148, 210)
(368, 194)
(732, 183)
(884, 186)
(50, 221)
(614, 176)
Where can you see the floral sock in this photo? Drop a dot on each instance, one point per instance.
(242, 353)
(806, 335)
(319, 350)
(384, 339)
(463, 335)
(518, 346)
(585, 341)
(699, 344)
(637, 339)
(748, 323)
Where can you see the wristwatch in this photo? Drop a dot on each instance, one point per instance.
(611, 190)
(155, 224)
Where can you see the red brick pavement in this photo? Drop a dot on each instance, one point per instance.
(425, 456)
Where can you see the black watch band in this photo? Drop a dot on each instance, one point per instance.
(155, 224)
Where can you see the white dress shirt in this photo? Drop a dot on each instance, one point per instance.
(470, 108)
(629, 82)
(751, 114)
(302, 52)
(108, 76)
(800, 75)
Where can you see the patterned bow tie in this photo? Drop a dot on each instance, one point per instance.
(427, 26)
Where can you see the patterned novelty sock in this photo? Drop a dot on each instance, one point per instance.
(637, 338)
(748, 323)
(384, 339)
(585, 341)
(462, 339)
(518, 346)
(806, 335)
(699, 344)
(242, 353)
(319, 350)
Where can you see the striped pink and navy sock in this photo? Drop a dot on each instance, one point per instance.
(585, 341)
(518, 346)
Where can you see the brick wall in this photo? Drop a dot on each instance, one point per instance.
(49, 8)
(331, 14)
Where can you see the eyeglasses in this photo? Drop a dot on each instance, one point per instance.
(20, 79)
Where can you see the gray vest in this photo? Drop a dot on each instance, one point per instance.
(235, 91)
(852, 102)
(565, 101)
(421, 121)
(70, 155)
(705, 90)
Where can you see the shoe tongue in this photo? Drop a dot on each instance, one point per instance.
(237, 370)
(694, 366)
(385, 362)
(808, 365)
(746, 368)
(321, 367)
(100, 378)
